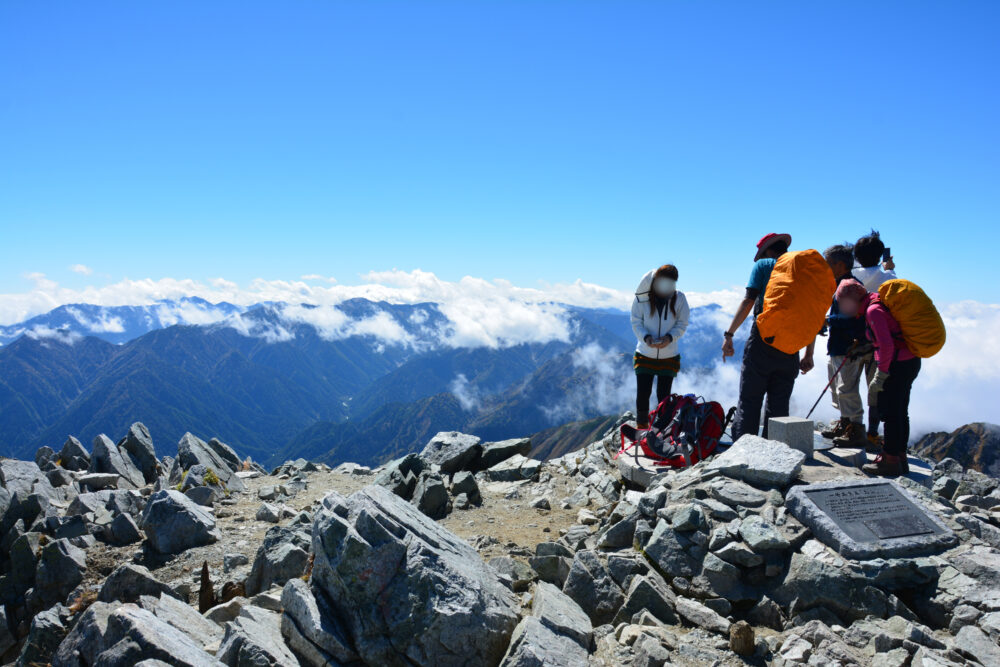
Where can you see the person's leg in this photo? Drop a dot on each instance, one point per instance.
(893, 403)
(643, 388)
(874, 416)
(780, 383)
(831, 367)
(753, 386)
(664, 384)
(852, 411)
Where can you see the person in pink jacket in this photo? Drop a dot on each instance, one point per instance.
(896, 370)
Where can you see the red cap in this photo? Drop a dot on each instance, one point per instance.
(769, 241)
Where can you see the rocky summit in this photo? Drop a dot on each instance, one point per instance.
(474, 553)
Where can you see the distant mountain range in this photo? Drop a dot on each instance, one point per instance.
(278, 381)
(976, 446)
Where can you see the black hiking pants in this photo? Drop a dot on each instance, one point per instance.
(894, 405)
(766, 372)
(644, 387)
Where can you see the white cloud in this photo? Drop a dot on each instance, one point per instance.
(82, 269)
(466, 393)
(104, 324)
(47, 333)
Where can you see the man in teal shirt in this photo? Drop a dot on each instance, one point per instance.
(767, 372)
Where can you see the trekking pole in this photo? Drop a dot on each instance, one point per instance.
(828, 385)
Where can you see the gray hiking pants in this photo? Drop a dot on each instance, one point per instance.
(845, 389)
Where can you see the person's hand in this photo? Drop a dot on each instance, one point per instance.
(878, 382)
(806, 364)
(664, 342)
(889, 265)
(727, 349)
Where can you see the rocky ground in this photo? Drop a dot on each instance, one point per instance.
(471, 553)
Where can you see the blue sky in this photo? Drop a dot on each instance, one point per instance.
(530, 141)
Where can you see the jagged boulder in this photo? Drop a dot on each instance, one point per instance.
(173, 523)
(592, 587)
(497, 452)
(134, 634)
(400, 476)
(60, 569)
(217, 458)
(48, 629)
(409, 590)
(107, 458)
(73, 455)
(284, 554)
(452, 451)
(138, 445)
(129, 581)
(311, 628)
(254, 638)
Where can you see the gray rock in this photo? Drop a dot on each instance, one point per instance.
(192, 451)
(135, 634)
(202, 495)
(761, 535)
(736, 494)
(431, 495)
(767, 613)
(812, 583)
(514, 469)
(60, 569)
(129, 581)
(107, 458)
(497, 452)
(558, 612)
(534, 644)
(452, 451)
(282, 555)
(400, 476)
(618, 534)
(758, 461)
(85, 640)
(650, 593)
(254, 638)
(232, 561)
(519, 574)
(96, 481)
(590, 584)
(138, 445)
(269, 513)
(465, 482)
(48, 629)
(174, 523)
(235, 463)
(409, 589)
(73, 455)
(672, 552)
(551, 568)
(122, 531)
(649, 652)
(44, 457)
(7, 640)
(311, 631)
(185, 618)
(974, 642)
(688, 518)
(701, 616)
(738, 553)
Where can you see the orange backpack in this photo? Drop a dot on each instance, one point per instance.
(796, 300)
(921, 323)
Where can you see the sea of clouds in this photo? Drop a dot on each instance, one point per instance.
(957, 386)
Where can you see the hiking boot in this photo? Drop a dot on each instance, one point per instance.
(835, 429)
(885, 465)
(875, 443)
(853, 436)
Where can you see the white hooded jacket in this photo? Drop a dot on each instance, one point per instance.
(872, 277)
(658, 323)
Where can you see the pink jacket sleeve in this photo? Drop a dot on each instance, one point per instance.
(878, 322)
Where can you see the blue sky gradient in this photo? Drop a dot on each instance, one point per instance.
(530, 141)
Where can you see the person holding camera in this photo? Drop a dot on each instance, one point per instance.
(660, 316)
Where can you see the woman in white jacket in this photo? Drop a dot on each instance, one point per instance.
(660, 316)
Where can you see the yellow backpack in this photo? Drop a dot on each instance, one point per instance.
(796, 300)
(921, 323)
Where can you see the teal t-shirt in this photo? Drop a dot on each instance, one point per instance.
(759, 275)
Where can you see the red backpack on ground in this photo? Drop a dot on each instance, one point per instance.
(683, 431)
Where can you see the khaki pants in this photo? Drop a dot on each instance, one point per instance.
(845, 389)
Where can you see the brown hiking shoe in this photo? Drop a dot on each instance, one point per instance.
(835, 429)
(854, 436)
(885, 465)
(875, 443)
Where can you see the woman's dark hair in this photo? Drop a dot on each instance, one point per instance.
(868, 250)
(655, 302)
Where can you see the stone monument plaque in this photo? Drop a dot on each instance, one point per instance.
(865, 519)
